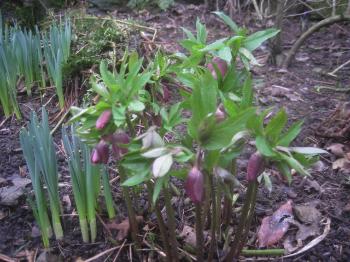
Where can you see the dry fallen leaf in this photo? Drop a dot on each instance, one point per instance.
(274, 227)
(189, 235)
(342, 164)
(337, 149)
(9, 195)
(307, 213)
(123, 227)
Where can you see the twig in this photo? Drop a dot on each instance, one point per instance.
(104, 225)
(4, 121)
(310, 31)
(59, 122)
(104, 253)
(338, 68)
(120, 249)
(314, 242)
(7, 259)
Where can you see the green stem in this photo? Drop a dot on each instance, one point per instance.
(244, 223)
(218, 210)
(263, 252)
(213, 241)
(199, 233)
(130, 126)
(160, 220)
(130, 210)
(171, 224)
(207, 196)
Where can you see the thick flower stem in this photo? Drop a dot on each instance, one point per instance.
(213, 222)
(171, 224)
(131, 212)
(199, 233)
(244, 223)
(206, 206)
(162, 228)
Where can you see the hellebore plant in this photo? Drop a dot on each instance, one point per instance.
(223, 118)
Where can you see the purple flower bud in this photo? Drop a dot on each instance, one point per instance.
(121, 138)
(220, 64)
(220, 114)
(100, 153)
(195, 185)
(103, 119)
(255, 166)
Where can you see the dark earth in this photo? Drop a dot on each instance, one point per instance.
(297, 90)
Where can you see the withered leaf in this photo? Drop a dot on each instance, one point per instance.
(123, 228)
(274, 227)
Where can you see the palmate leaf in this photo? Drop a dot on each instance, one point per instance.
(275, 126)
(203, 102)
(223, 132)
(290, 135)
(255, 40)
(227, 20)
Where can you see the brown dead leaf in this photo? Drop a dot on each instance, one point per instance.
(341, 163)
(337, 149)
(123, 228)
(9, 195)
(307, 213)
(274, 227)
(189, 235)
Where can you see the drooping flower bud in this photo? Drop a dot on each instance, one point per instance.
(255, 166)
(118, 140)
(220, 113)
(100, 153)
(103, 119)
(221, 66)
(195, 185)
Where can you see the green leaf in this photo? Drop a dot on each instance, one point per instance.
(247, 54)
(158, 188)
(285, 170)
(247, 92)
(136, 179)
(108, 78)
(293, 163)
(308, 150)
(189, 34)
(162, 165)
(100, 89)
(180, 174)
(203, 102)
(218, 44)
(118, 115)
(223, 132)
(255, 40)
(136, 106)
(290, 135)
(225, 54)
(275, 126)
(228, 21)
(156, 152)
(201, 32)
(264, 147)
